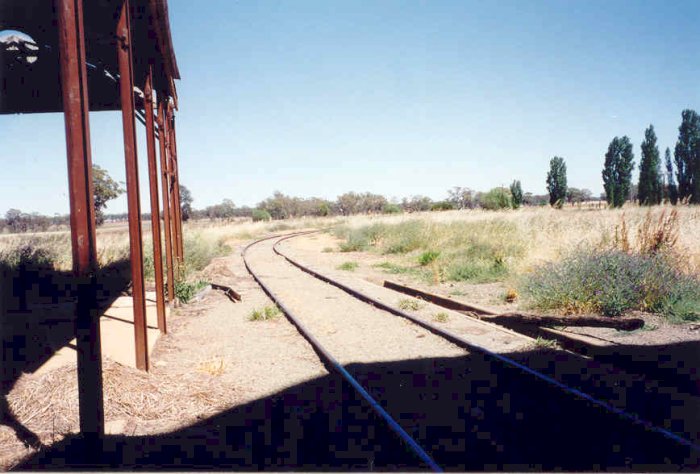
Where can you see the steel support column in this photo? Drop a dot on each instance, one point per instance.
(176, 187)
(155, 207)
(165, 181)
(126, 90)
(71, 41)
(171, 190)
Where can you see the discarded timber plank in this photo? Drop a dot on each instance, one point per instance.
(626, 324)
(516, 318)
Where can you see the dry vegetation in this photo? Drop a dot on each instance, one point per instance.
(473, 246)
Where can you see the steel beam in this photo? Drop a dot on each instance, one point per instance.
(71, 42)
(155, 206)
(165, 181)
(126, 91)
(176, 187)
(171, 190)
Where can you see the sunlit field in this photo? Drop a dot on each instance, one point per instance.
(532, 235)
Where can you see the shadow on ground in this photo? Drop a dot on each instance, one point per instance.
(470, 413)
(37, 318)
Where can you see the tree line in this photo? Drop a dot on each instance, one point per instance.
(678, 182)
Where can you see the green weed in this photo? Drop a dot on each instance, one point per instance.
(348, 266)
(265, 314)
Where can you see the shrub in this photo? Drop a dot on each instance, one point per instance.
(441, 317)
(442, 206)
(497, 198)
(408, 304)
(186, 290)
(261, 215)
(390, 208)
(612, 282)
(428, 257)
(347, 266)
(265, 314)
(199, 251)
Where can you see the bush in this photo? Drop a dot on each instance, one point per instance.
(428, 257)
(186, 290)
(261, 215)
(347, 266)
(497, 198)
(442, 206)
(267, 313)
(612, 282)
(199, 251)
(390, 208)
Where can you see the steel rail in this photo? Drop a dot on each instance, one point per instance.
(460, 341)
(333, 363)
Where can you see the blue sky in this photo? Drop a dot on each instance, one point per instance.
(316, 98)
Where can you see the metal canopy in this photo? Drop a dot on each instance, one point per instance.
(33, 87)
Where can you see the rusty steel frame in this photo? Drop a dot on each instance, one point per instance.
(128, 106)
(162, 137)
(155, 209)
(71, 37)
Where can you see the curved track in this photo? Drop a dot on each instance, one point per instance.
(486, 411)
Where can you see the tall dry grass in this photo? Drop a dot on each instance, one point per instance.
(539, 235)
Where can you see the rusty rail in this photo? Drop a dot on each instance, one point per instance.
(507, 361)
(333, 364)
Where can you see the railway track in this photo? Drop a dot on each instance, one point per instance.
(452, 402)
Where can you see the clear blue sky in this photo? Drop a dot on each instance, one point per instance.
(315, 98)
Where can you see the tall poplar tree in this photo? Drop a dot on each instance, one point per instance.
(687, 156)
(556, 181)
(671, 182)
(617, 171)
(650, 189)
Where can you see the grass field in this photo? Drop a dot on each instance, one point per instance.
(475, 246)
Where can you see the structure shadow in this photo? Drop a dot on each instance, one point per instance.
(470, 413)
(38, 317)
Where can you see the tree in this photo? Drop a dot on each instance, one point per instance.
(671, 183)
(461, 198)
(650, 190)
(617, 171)
(687, 157)
(516, 193)
(556, 181)
(497, 198)
(105, 189)
(576, 195)
(185, 203)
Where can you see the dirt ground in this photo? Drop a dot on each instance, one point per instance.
(212, 359)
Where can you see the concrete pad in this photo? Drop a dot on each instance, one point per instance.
(117, 331)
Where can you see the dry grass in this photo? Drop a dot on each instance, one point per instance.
(547, 234)
(48, 405)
